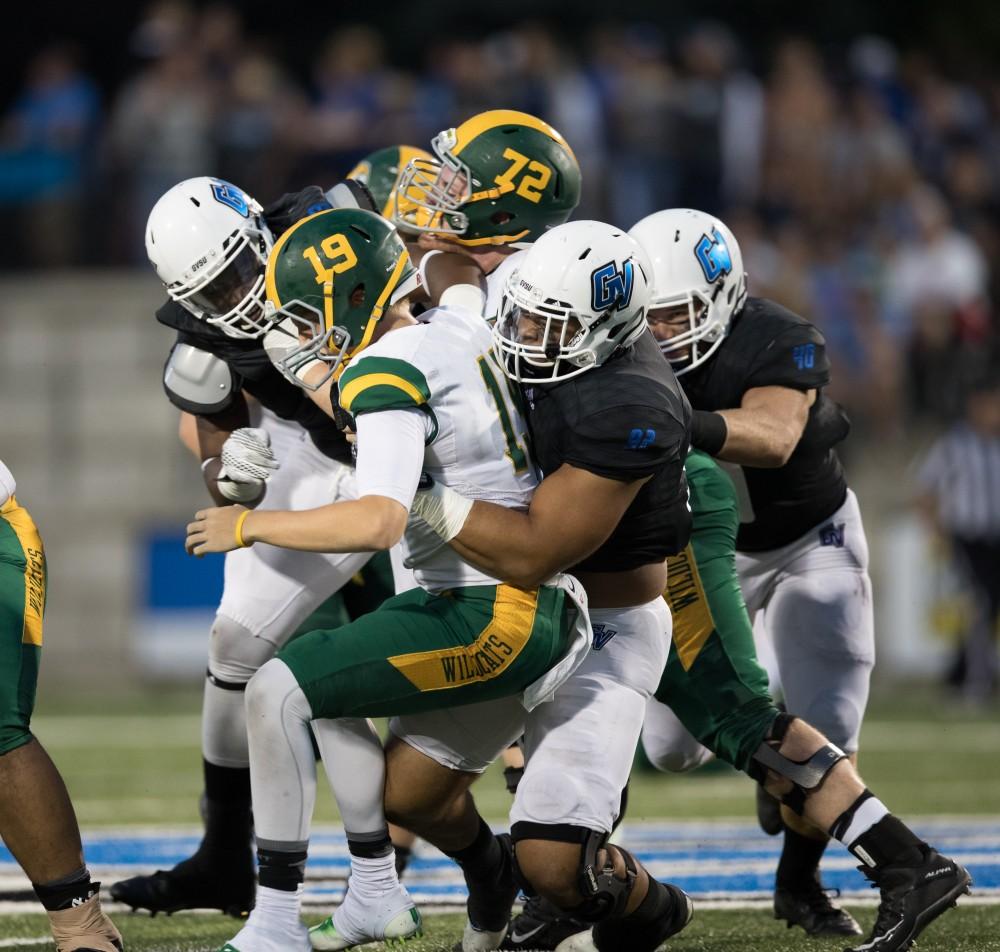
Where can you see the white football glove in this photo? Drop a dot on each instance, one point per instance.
(247, 462)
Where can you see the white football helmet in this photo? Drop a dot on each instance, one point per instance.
(696, 263)
(208, 242)
(579, 295)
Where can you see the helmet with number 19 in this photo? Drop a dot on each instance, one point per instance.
(208, 242)
(698, 282)
(330, 279)
(500, 178)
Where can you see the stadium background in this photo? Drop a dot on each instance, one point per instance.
(854, 148)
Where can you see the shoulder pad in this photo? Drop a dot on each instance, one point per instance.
(197, 381)
(371, 384)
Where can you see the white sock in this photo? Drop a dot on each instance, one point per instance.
(277, 909)
(865, 817)
(373, 875)
(372, 879)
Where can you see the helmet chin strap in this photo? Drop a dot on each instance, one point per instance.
(328, 303)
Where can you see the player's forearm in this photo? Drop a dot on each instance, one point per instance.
(754, 438)
(510, 545)
(368, 524)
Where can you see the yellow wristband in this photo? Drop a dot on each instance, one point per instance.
(239, 529)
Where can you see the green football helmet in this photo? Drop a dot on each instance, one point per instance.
(330, 279)
(500, 178)
(381, 170)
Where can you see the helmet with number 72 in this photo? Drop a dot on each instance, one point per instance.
(330, 279)
(500, 178)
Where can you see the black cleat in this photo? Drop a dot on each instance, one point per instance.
(225, 882)
(768, 812)
(812, 909)
(490, 903)
(540, 925)
(912, 898)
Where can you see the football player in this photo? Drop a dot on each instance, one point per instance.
(381, 172)
(37, 821)
(610, 428)
(422, 397)
(754, 373)
(208, 241)
(497, 182)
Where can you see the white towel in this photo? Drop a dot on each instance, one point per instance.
(541, 690)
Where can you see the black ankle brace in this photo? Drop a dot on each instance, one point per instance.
(61, 893)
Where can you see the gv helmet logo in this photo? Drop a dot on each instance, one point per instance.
(232, 197)
(713, 256)
(611, 288)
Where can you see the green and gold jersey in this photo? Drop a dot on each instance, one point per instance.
(476, 438)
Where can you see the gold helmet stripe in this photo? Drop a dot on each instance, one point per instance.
(379, 308)
(475, 126)
(491, 240)
(270, 288)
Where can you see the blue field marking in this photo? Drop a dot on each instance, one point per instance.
(709, 860)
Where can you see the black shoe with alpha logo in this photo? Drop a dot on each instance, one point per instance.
(913, 896)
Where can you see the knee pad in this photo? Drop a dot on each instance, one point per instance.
(804, 775)
(679, 759)
(272, 685)
(235, 653)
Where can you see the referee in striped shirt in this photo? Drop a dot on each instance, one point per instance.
(960, 492)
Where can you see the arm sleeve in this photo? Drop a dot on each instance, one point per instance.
(391, 453)
(626, 442)
(284, 212)
(796, 358)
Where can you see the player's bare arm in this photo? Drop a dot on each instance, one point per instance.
(767, 426)
(527, 548)
(368, 524)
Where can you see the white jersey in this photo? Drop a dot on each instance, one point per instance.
(7, 484)
(496, 281)
(475, 437)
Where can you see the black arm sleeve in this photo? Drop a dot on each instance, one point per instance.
(284, 212)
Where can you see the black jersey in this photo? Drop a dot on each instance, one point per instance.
(626, 420)
(249, 363)
(769, 346)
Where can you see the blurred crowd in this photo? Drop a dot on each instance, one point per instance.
(863, 183)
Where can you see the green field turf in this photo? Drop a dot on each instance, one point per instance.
(136, 761)
(971, 929)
